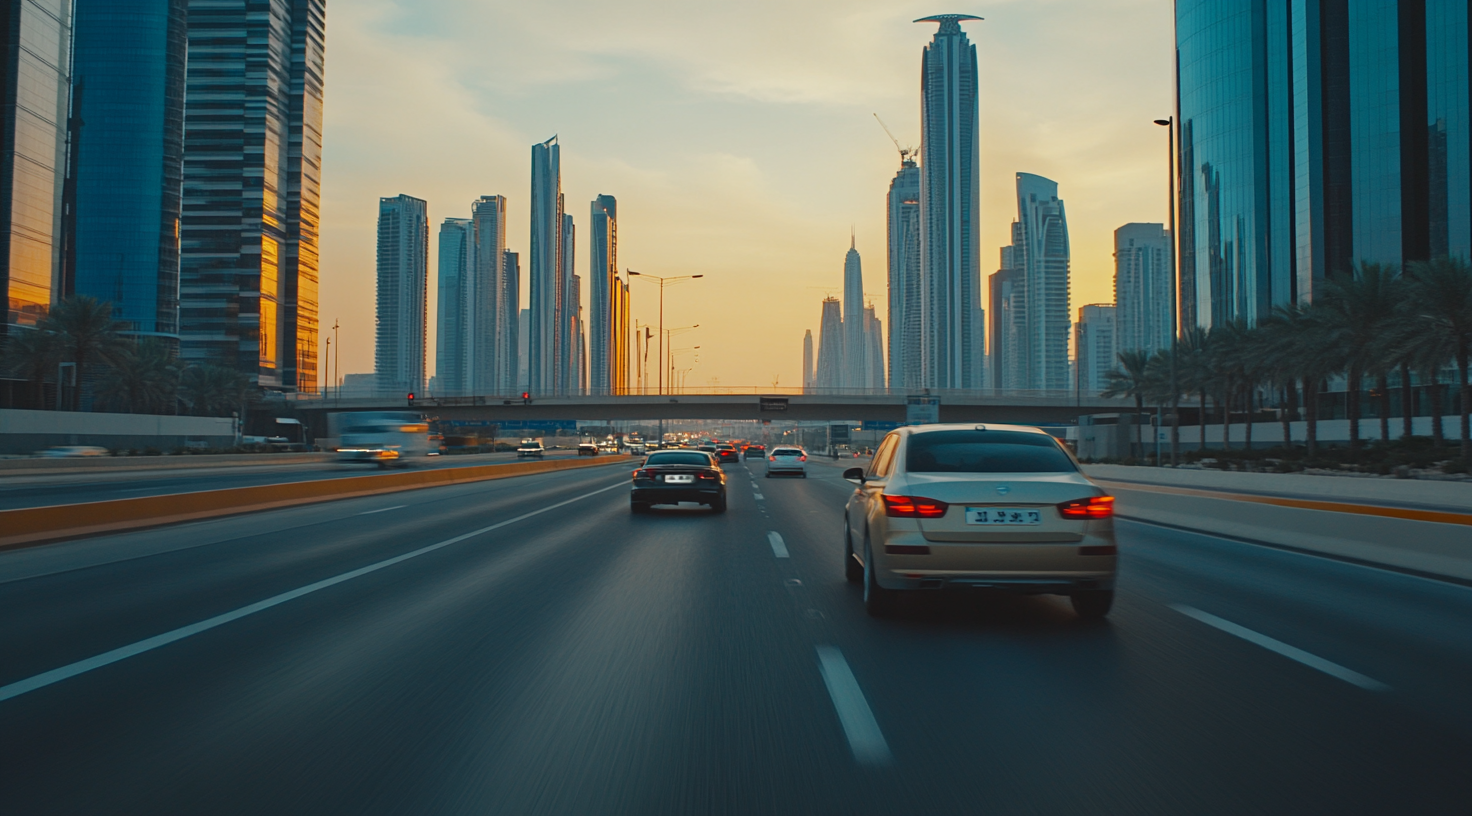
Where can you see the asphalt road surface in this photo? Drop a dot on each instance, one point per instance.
(42, 489)
(527, 646)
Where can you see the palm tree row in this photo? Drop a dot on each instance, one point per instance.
(1377, 323)
(140, 375)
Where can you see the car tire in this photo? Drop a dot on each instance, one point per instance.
(878, 601)
(719, 505)
(851, 568)
(1092, 604)
(637, 508)
(803, 475)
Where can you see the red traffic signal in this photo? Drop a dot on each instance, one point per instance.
(411, 397)
(526, 397)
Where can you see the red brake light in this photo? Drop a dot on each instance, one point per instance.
(803, 458)
(1093, 507)
(644, 474)
(705, 474)
(774, 458)
(913, 507)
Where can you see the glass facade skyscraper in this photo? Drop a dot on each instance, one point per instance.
(456, 250)
(402, 293)
(903, 213)
(603, 338)
(950, 185)
(252, 188)
(1315, 135)
(35, 78)
(545, 268)
(1041, 253)
(128, 154)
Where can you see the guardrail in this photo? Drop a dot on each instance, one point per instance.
(36, 525)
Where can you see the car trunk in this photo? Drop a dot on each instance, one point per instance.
(1035, 492)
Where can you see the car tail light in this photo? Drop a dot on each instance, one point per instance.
(913, 507)
(643, 474)
(774, 458)
(802, 458)
(1093, 507)
(705, 474)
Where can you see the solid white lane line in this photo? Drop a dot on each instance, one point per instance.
(864, 737)
(779, 547)
(382, 510)
(149, 644)
(1291, 652)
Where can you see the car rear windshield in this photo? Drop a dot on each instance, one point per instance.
(986, 452)
(786, 452)
(678, 458)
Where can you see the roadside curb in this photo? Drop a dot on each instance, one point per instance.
(39, 525)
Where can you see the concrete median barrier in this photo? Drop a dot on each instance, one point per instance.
(41, 524)
(1427, 542)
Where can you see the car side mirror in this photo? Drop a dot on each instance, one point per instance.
(855, 475)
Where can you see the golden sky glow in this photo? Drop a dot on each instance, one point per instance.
(737, 137)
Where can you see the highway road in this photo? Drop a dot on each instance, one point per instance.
(527, 646)
(42, 488)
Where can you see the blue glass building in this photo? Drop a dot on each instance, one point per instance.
(128, 154)
(1315, 134)
(36, 35)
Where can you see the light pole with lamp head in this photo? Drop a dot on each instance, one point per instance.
(662, 281)
(1175, 422)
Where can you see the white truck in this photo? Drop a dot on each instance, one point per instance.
(385, 438)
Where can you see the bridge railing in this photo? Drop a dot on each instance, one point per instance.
(1052, 396)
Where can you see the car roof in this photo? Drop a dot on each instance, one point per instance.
(971, 426)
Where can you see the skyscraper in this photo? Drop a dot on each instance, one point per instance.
(569, 314)
(855, 349)
(829, 377)
(452, 338)
(873, 349)
(602, 280)
(403, 281)
(488, 334)
(252, 176)
(128, 66)
(1094, 342)
(545, 267)
(1142, 273)
(35, 79)
(511, 376)
(1008, 327)
(807, 361)
(905, 307)
(1314, 135)
(1043, 257)
(620, 358)
(949, 205)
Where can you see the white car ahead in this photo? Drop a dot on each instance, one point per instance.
(994, 507)
(787, 461)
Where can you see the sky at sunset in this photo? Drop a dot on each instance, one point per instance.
(738, 138)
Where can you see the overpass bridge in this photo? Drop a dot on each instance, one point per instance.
(1022, 407)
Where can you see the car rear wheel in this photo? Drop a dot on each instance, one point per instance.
(638, 507)
(719, 505)
(878, 601)
(1092, 604)
(851, 569)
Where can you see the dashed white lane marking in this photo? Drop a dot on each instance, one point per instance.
(864, 737)
(383, 510)
(106, 658)
(779, 547)
(1291, 652)
(760, 497)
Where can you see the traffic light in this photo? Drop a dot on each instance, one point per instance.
(411, 399)
(526, 398)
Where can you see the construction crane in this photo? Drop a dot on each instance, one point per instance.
(907, 154)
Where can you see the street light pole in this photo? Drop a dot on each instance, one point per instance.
(662, 280)
(1175, 332)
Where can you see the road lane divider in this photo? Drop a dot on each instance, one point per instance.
(779, 547)
(1380, 510)
(149, 644)
(35, 525)
(865, 739)
(1291, 652)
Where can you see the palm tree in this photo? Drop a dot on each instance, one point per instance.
(215, 390)
(144, 380)
(1354, 312)
(86, 333)
(1304, 352)
(1167, 392)
(1193, 372)
(1130, 379)
(1443, 304)
(32, 354)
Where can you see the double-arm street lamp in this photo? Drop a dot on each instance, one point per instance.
(1175, 423)
(662, 281)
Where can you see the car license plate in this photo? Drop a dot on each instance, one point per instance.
(679, 478)
(993, 516)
